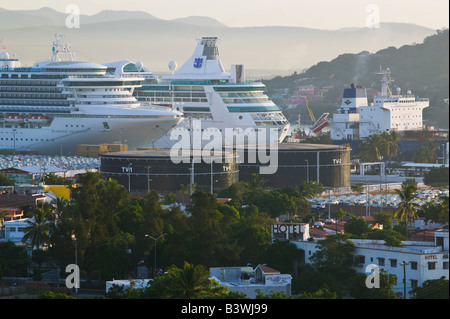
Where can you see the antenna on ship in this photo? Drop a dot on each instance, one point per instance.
(385, 90)
(61, 49)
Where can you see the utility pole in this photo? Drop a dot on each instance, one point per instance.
(129, 176)
(212, 179)
(155, 239)
(404, 278)
(148, 179)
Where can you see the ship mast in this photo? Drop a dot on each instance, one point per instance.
(61, 51)
(385, 89)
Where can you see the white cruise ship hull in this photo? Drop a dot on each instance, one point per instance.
(64, 134)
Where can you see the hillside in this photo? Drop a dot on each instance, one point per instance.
(137, 36)
(419, 67)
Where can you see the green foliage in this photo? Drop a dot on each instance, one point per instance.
(356, 226)
(13, 260)
(433, 289)
(358, 289)
(437, 177)
(333, 262)
(322, 293)
(436, 212)
(170, 199)
(53, 179)
(4, 181)
(382, 234)
(272, 295)
(383, 218)
(357, 187)
(406, 210)
(393, 241)
(426, 153)
(379, 146)
(52, 295)
(281, 255)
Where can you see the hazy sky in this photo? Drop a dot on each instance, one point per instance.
(321, 14)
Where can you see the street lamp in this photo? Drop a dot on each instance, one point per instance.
(155, 239)
(75, 244)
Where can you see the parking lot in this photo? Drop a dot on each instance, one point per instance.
(388, 201)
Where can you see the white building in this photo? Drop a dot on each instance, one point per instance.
(248, 281)
(419, 261)
(14, 230)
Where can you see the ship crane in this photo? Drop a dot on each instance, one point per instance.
(318, 125)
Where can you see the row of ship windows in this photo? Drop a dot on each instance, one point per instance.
(397, 124)
(405, 116)
(408, 109)
(169, 94)
(34, 95)
(236, 101)
(149, 99)
(26, 139)
(34, 102)
(25, 83)
(243, 94)
(29, 89)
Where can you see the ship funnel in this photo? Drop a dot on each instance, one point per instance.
(237, 73)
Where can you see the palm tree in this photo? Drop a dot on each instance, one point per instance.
(190, 282)
(371, 148)
(37, 231)
(390, 141)
(407, 208)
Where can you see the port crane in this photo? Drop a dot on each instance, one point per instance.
(319, 124)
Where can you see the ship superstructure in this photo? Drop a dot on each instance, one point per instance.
(357, 119)
(55, 105)
(204, 91)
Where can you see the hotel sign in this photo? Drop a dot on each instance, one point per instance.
(431, 257)
(286, 228)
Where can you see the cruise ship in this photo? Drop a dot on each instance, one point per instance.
(55, 105)
(211, 99)
(356, 119)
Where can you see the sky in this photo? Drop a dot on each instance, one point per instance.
(318, 14)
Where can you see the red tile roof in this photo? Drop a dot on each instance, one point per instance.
(267, 270)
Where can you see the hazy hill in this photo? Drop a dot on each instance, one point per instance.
(118, 35)
(419, 67)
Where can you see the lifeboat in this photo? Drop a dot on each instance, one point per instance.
(37, 119)
(14, 118)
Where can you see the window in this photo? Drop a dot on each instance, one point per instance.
(380, 261)
(393, 263)
(445, 265)
(413, 284)
(431, 265)
(413, 265)
(361, 259)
